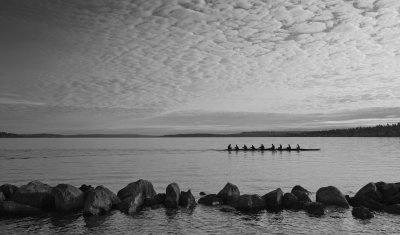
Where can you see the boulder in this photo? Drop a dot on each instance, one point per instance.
(68, 197)
(8, 190)
(210, 200)
(229, 194)
(299, 189)
(226, 208)
(274, 200)
(290, 202)
(99, 201)
(2, 197)
(331, 196)
(387, 190)
(186, 199)
(13, 208)
(362, 213)
(156, 200)
(251, 202)
(36, 194)
(301, 196)
(86, 188)
(172, 196)
(370, 190)
(314, 208)
(141, 186)
(393, 209)
(366, 202)
(395, 199)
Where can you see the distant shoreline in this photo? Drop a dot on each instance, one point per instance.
(375, 131)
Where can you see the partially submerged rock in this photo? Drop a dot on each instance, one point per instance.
(290, 202)
(229, 194)
(250, 202)
(172, 196)
(393, 209)
(156, 200)
(99, 201)
(362, 213)
(370, 190)
(331, 196)
(8, 190)
(186, 199)
(68, 197)
(36, 194)
(387, 190)
(367, 202)
(210, 200)
(13, 208)
(300, 189)
(134, 194)
(314, 208)
(274, 200)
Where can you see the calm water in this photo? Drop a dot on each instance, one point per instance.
(347, 163)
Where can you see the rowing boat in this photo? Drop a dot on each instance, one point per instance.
(270, 149)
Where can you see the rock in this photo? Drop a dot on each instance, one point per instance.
(366, 202)
(99, 201)
(393, 209)
(210, 200)
(274, 200)
(36, 194)
(172, 196)
(156, 200)
(315, 208)
(226, 208)
(395, 199)
(300, 189)
(8, 190)
(2, 197)
(68, 197)
(251, 202)
(13, 208)
(86, 188)
(202, 194)
(301, 196)
(331, 196)
(362, 213)
(186, 199)
(290, 202)
(370, 190)
(141, 186)
(387, 190)
(134, 194)
(229, 194)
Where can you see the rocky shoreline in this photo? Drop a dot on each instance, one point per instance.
(37, 198)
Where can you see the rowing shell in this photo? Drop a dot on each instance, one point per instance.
(269, 149)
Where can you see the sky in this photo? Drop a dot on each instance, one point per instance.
(178, 66)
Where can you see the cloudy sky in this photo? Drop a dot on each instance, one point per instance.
(170, 66)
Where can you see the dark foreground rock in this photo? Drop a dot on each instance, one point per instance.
(2, 197)
(186, 199)
(362, 213)
(370, 190)
(172, 196)
(68, 197)
(393, 209)
(387, 190)
(134, 194)
(274, 200)
(300, 189)
(156, 200)
(13, 208)
(8, 190)
(210, 200)
(331, 196)
(250, 202)
(290, 202)
(229, 194)
(36, 194)
(99, 201)
(367, 202)
(314, 208)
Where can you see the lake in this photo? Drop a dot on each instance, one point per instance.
(195, 163)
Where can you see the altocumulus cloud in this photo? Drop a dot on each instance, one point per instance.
(133, 63)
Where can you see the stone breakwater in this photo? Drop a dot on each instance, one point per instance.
(36, 198)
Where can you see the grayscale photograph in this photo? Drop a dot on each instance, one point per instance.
(199, 117)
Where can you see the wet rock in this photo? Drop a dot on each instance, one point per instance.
(290, 202)
(172, 196)
(362, 213)
(229, 194)
(314, 208)
(370, 190)
(274, 200)
(8, 190)
(36, 194)
(387, 190)
(156, 200)
(68, 197)
(300, 189)
(99, 201)
(134, 194)
(13, 208)
(301, 196)
(251, 202)
(367, 202)
(226, 208)
(186, 199)
(2, 197)
(393, 209)
(395, 199)
(210, 200)
(331, 196)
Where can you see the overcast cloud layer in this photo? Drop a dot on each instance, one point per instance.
(160, 66)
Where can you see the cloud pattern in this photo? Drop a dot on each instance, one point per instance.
(146, 59)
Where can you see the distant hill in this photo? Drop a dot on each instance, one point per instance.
(375, 131)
